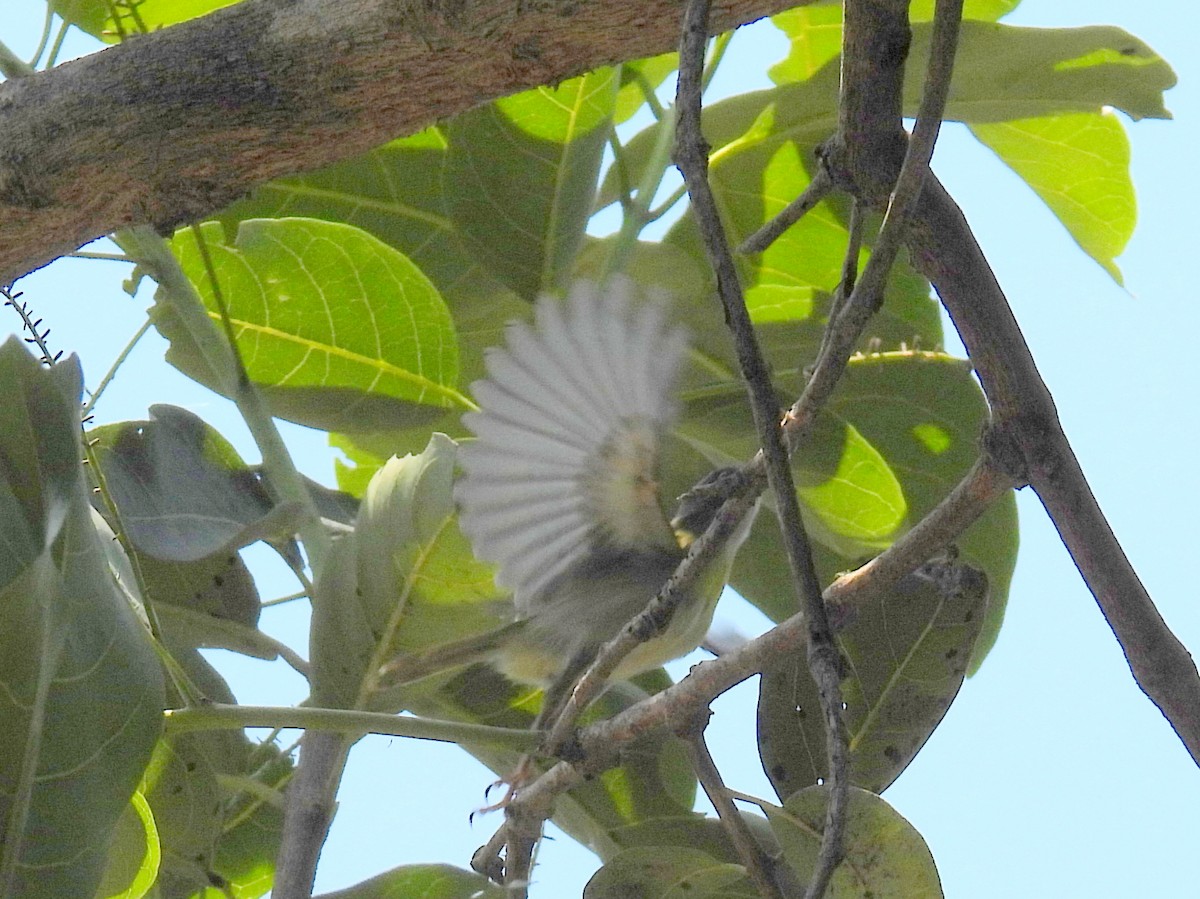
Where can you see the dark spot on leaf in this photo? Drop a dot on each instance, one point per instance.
(778, 771)
(892, 754)
(951, 653)
(218, 580)
(1129, 51)
(190, 767)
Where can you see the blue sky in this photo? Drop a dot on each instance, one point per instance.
(1052, 775)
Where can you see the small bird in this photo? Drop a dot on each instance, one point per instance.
(560, 487)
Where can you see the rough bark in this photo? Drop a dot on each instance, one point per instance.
(173, 125)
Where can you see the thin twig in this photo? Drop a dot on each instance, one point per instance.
(818, 189)
(822, 653)
(94, 396)
(845, 288)
(844, 330)
(757, 863)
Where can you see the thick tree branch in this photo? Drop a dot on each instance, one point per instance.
(173, 125)
(1026, 436)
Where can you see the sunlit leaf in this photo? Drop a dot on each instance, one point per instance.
(133, 16)
(1079, 166)
(134, 856)
(338, 329)
(394, 192)
(403, 581)
(521, 175)
(922, 412)
(1002, 72)
(218, 801)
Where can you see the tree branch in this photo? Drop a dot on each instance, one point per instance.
(676, 707)
(1026, 435)
(165, 129)
(691, 155)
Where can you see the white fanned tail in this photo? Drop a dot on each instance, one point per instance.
(572, 416)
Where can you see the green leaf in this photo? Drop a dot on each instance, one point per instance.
(682, 873)
(143, 17)
(423, 881)
(394, 192)
(815, 32)
(885, 857)
(1002, 72)
(1079, 165)
(922, 413)
(218, 803)
(135, 854)
(815, 36)
(405, 580)
(81, 693)
(521, 174)
(852, 500)
(340, 330)
(181, 489)
(905, 653)
(982, 10)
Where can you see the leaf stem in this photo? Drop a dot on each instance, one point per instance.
(112, 371)
(178, 293)
(219, 716)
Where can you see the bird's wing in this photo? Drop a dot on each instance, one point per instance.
(569, 432)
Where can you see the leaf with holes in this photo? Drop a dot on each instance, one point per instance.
(905, 652)
(884, 856)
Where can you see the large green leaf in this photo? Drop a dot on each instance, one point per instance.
(521, 174)
(1053, 85)
(424, 881)
(1079, 165)
(905, 654)
(682, 873)
(815, 31)
(1002, 72)
(885, 856)
(339, 329)
(81, 693)
(403, 581)
(181, 489)
(395, 192)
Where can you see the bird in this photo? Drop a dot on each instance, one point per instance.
(560, 488)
